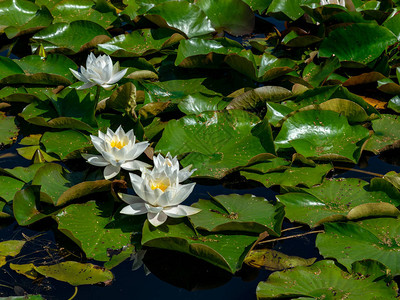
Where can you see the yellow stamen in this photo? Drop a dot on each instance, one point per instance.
(117, 144)
(159, 185)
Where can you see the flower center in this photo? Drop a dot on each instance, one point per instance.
(161, 184)
(116, 143)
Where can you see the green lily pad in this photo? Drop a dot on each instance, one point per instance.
(325, 280)
(20, 17)
(8, 129)
(316, 74)
(216, 141)
(223, 250)
(198, 103)
(258, 97)
(92, 228)
(285, 9)
(368, 239)
(239, 21)
(337, 200)
(72, 272)
(386, 134)
(9, 186)
(361, 43)
(258, 5)
(274, 260)
(9, 67)
(11, 247)
(70, 37)
(198, 52)
(244, 213)
(322, 134)
(60, 187)
(285, 175)
(181, 15)
(63, 143)
(394, 104)
(75, 10)
(140, 42)
(25, 206)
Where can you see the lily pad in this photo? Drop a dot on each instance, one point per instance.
(226, 251)
(274, 260)
(386, 134)
(198, 103)
(181, 15)
(91, 227)
(287, 176)
(368, 239)
(71, 37)
(215, 141)
(11, 247)
(244, 213)
(72, 272)
(337, 200)
(8, 129)
(9, 186)
(322, 134)
(239, 21)
(140, 42)
(360, 43)
(325, 280)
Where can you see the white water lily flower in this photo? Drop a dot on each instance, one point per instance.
(99, 71)
(159, 193)
(338, 2)
(171, 165)
(118, 150)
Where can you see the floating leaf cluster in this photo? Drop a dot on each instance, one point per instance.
(277, 93)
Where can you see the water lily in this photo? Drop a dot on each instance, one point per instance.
(159, 192)
(118, 150)
(338, 2)
(99, 71)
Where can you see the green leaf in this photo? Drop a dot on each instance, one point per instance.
(286, 176)
(258, 97)
(8, 67)
(240, 213)
(392, 24)
(181, 15)
(337, 200)
(273, 260)
(198, 103)
(322, 134)
(72, 272)
(239, 21)
(223, 250)
(63, 143)
(368, 239)
(11, 247)
(9, 186)
(71, 37)
(361, 43)
(286, 9)
(316, 74)
(91, 227)
(394, 104)
(227, 141)
(386, 134)
(75, 10)
(140, 42)
(325, 280)
(8, 129)
(25, 206)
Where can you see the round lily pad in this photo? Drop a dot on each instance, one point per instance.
(377, 239)
(322, 134)
(386, 134)
(234, 212)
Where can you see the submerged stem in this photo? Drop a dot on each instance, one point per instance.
(73, 296)
(98, 88)
(292, 236)
(360, 171)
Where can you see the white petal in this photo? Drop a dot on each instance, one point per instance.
(95, 160)
(117, 77)
(180, 211)
(78, 75)
(111, 171)
(97, 143)
(134, 165)
(137, 149)
(137, 209)
(87, 85)
(130, 199)
(157, 219)
(182, 193)
(153, 209)
(166, 197)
